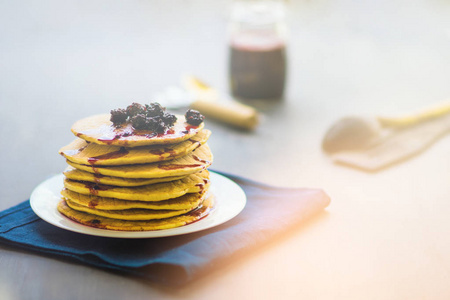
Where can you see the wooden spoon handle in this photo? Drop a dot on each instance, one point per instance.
(412, 119)
(230, 112)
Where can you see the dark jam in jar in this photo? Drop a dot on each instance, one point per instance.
(257, 67)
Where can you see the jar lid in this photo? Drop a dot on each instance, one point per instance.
(258, 12)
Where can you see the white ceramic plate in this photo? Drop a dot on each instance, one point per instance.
(230, 201)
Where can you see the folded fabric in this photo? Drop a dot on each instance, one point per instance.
(397, 145)
(171, 260)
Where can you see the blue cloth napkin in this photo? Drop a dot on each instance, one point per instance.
(176, 260)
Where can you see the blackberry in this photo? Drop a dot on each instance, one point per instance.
(169, 119)
(118, 116)
(194, 117)
(152, 117)
(154, 109)
(156, 124)
(134, 109)
(139, 121)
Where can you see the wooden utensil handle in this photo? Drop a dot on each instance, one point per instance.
(230, 112)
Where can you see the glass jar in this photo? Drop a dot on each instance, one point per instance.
(257, 54)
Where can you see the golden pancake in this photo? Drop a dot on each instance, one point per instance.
(193, 183)
(100, 130)
(135, 214)
(82, 152)
(125, 225)
(194, 162)
(187, 201)
(79, 175)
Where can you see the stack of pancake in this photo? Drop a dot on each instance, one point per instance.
(120, 178)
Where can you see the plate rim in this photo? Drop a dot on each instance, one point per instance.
(220, 186)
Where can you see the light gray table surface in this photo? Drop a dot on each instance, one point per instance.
(384, 236)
